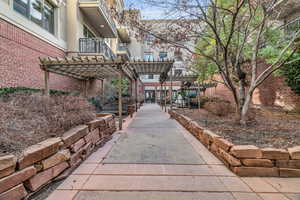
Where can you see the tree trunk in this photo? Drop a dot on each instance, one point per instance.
(245, 108)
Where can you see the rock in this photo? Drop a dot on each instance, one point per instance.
(44, 177)
(74, 134)
(256, 171)
(294, 164)
(257, 163)
(205, 138)
(275, 154)
(211, 136)
(93, 137)
(232, 161)
(294, 152)
(286, 172)
(77, 145)
(16, 178)
(57, 158)
(214, 149)
(246, 151)
(87, 150)
(97, 123)
(223, 144)
(7, 165)
(16, 193)
(7, 161)
(76, 158)
(7, 171)
(38, 152)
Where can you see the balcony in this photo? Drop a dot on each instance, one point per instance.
(124, 34)
(95, 46)
(99, 16)
(123, 51)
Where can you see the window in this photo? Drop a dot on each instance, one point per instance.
(49, 17)
(87, 33)
(178, 71)
(148, 56)
(163, 55)
(150, 76)
(40, 12)
(36, 11)
(149, 39)
(22, 7)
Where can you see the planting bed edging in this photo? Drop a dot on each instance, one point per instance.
(45, 161)
(245, 160)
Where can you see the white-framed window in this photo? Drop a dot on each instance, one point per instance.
(163, 55)
(148, 56)
(40, 12)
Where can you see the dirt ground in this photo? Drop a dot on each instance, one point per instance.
(270, 127)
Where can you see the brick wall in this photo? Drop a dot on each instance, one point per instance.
(19, 61)
(273, 92)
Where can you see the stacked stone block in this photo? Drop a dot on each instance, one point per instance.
(45, 161)
(245, 160)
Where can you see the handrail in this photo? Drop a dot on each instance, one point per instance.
(95, 45)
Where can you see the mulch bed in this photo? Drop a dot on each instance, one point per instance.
(28, 118)
(270, 127)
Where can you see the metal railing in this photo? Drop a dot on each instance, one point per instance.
(95, 45)
(123, 47)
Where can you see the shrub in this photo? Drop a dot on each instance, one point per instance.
(7, 91)
(27, 118)
(205, 99)
(219, 108)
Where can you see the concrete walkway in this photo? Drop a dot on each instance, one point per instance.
(157, 159)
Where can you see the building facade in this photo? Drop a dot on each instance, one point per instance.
(147, 49)
(33, 29)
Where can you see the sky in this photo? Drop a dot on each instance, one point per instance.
(147, 11)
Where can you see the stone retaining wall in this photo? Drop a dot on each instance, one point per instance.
(45, 161)
(245, 160)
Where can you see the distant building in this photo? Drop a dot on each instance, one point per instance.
(146, 49)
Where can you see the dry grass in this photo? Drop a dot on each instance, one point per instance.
(27, 119)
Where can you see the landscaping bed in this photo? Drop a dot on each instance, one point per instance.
(243, 159)
(42, 138)
(28, 118)
(269, 127)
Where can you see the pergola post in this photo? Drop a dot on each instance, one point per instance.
(131, 91)
(85, 88)
(136, 94)
(161, 95)
(165, 97)
(171, 95)
(46, 76)
(120, 100)
(198, 96)
(102, 91)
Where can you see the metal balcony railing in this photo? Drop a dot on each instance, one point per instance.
(95, 45)
(123, 47)
(107, 13)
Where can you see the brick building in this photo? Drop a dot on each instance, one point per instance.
(30, 29)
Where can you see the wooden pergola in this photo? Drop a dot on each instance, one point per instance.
(162, 68)
(97, 67)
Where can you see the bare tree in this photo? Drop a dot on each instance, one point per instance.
(233, 35)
